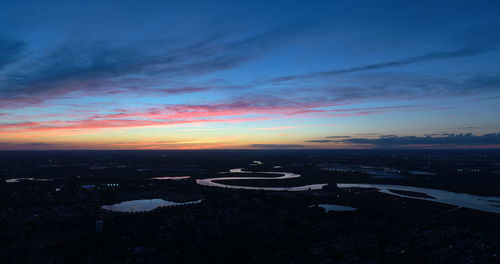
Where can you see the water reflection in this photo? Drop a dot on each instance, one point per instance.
(143, 205)
(176, 178)
(284, 175)
(335, 207)
(482, 203)
(256, 162)
(425, 173)
(25, 179)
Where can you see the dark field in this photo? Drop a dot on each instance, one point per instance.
(54, 221)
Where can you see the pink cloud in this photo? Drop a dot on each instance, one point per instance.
(91, 124)
(238, 110)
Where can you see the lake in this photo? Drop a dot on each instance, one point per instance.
(144, 205)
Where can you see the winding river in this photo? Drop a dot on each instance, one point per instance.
(284, 175)
(482, 203)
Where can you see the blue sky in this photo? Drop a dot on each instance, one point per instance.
(241, 74)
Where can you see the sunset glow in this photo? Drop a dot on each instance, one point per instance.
(130, 75)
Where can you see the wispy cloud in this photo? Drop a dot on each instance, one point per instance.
(10, 52)
(486, 43)
(322, 141)
(92, 124)
(277, 146)
(247, 109)
(428, 141)
(99, 67)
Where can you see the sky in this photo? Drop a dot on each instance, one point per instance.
(249, 74)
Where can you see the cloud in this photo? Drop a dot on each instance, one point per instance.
(434, 140)
(25, 146)
(255, 104)
(92, 124)
(237, 110)
(486, 43)
(10, 51)
(393, 86)
(240, 109)
(339, 137)
(321, 141)
(103, 68)
(277, 146)
(353, 111)
(184, 90)
(478, 83)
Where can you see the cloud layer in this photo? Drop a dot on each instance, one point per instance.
(432, 141)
